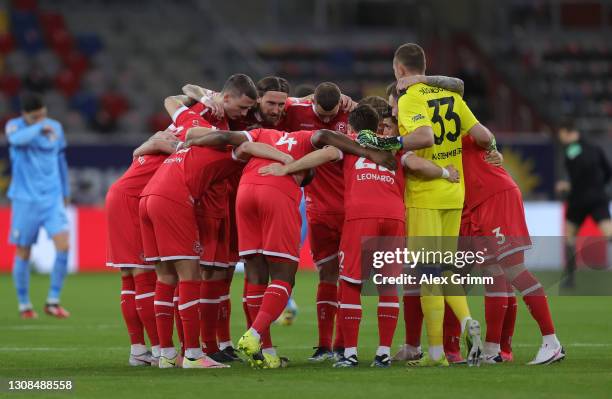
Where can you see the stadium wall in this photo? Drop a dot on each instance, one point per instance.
(88, 238)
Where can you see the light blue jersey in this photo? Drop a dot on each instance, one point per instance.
(39, 179)
(38, 162)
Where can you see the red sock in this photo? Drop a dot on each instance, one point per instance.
(128, 310)
(413, 319)
(339, 338)
(255, 294)
(274, 302)
(452, 331)
(535, 299)
(164, 313)
(495, 314)
(225, 310)
(145, 296)
(388, 311)
(189, 310)
(245, 306)
(350, 313)
(327, 305)
(496, 306)
(209, 313)
(508, 328)
(177, 320)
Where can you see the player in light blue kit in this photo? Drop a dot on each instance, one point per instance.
(38, 192)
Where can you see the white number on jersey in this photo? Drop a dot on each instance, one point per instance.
(499, 235)
(362, 164)
(290, 141)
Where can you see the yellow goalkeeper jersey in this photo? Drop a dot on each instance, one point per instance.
(450, 118)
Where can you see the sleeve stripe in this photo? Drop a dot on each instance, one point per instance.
(178, 112)
(248, 135)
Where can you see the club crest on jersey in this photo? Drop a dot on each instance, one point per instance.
(340, 127)
(197, 248)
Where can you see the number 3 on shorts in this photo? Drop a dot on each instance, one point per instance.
(498, 234)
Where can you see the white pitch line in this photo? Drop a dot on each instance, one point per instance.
(28, 327)
(58, 349)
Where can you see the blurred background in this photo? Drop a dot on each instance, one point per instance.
(106, 65)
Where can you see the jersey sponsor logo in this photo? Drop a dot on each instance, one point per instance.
(307, 125)
(445, 155)
(417, 117)
(340, 127)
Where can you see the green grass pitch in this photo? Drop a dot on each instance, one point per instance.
(91, 348)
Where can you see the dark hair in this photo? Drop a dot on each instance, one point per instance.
(240, 84)
(412, 56)
(379, 104)
(392, 90)
(272, 83)
(566, 123)
(327, 95)
(31, 101)
(363, 117)
(303, 90)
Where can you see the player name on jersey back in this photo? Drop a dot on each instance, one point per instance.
(450, 119)
(371, 190)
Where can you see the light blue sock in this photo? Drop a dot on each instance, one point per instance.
(21, 279)
(58, 274)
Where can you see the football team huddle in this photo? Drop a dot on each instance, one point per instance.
(223, 184)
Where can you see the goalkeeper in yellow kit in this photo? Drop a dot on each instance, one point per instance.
(431, 115)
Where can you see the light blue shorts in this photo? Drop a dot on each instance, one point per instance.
(28, 217)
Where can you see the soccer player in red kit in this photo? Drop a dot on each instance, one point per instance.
(216, 219)
(124, 242)
(505, 236)
(269, 228)
(171, 236)
(324, 208)
(367, 186)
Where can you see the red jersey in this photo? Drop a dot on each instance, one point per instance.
(482, 180)
(297, 144)
(188, 174)
(326, 192)
(371, 190)
(143, 168)
(214, 203)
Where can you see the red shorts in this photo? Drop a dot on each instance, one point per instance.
(169, 230)
(232, 249)
(124, 242)
(324, 234)
(498, 225)
(368, 235)
(214, 237)
(269, 222)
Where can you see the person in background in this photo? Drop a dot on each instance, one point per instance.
(588, 172)
(39, 192)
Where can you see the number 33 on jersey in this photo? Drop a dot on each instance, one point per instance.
(450, 119)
